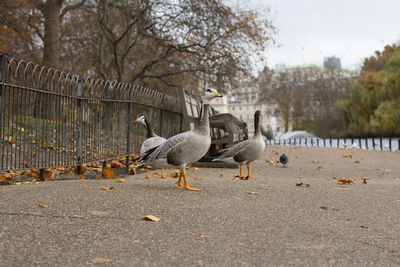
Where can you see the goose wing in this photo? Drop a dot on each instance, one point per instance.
(151, 142)
(162, 150)
(230, 152)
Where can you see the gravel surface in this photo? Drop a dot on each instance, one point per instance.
(268, 221)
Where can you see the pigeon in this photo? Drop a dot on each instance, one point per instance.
(284, 159)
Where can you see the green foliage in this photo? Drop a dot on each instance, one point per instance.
(268, 134)
(374, 107)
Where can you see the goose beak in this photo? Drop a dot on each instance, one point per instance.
(216, 94)
(135, 121)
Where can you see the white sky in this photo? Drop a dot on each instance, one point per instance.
(309, 30)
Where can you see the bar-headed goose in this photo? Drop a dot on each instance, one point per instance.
(247, 151)
(184, 148)
(152, 140)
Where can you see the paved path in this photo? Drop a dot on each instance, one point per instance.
(264, 222)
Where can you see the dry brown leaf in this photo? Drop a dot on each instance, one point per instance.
(364, 180)
(99, 260)
(99, 213)
(157, 175)
(116, 164)
(108, 188)
(300, 183)
(97, 178)
(50, 175)
(308, 185)
(253, 193)
(132, 171)
(108, 173)
(150, 218)
(345, 181)
(324, 207)
(357, 162)
(316, 161)
(389, 251)
(320, 168)
(120, 180)
(336, 209)
(80, 176)
(271, 203)
(42, 205)
(348, 156)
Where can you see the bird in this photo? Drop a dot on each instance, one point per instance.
(247, 151)
(152, 140)
(184, 148)
(284, 159)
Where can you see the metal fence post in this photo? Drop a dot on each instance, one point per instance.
(79, 126)
(2, 79)
(128, 134)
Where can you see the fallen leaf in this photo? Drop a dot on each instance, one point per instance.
(108, 188)
(324, 207)
(150, 218)
(320, 168)
(80, 176)
(345, 181)
(364, 181)
(42, 205)
(315, 161)
(300, 183)
(132, 171)
(120, 180)
(271, 203)
(108, 173)
(253, 193)
(389, 251)
(308, 185)
(97, 178)
(348, 156)
(357, 162)
(116, 164)
(157, 175)
(99, 260)
(99, 213)
(50, 175)
(336, 209)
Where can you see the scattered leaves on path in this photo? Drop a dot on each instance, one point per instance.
(150, 218)
(357, 162)
(324, 207)
(99, 213)
(99, 260)
(365, 180)
(348, 156)
(120, 181)
(132, 171)
(42, 205)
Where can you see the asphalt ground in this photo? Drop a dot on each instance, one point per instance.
(268, 221)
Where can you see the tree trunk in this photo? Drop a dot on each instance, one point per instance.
(51, 43)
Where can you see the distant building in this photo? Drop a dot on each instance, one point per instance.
(332, 63)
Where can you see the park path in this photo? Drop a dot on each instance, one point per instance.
(266, 221)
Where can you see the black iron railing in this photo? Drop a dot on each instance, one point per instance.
(50, 118)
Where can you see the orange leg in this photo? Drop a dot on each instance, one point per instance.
(240, 172)
(147, 173)
(186, 185)
(248, 173)
(179, 182)
(162, 174)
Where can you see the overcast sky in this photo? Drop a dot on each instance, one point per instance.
(309, 30)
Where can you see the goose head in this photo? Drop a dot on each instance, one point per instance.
(210, 94)
(141, 119)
